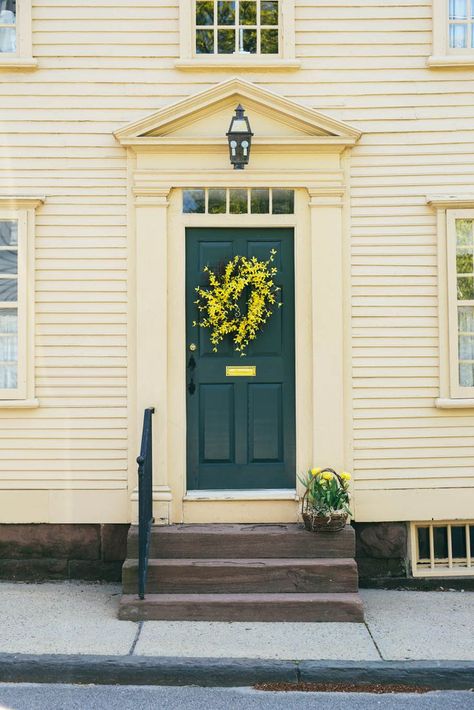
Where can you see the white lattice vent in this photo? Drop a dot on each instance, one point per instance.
(441, 549)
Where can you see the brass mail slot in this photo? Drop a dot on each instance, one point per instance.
(240, 371)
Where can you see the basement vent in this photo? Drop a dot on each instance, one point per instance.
(443, 549)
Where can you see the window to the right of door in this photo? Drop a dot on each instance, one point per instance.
(8, 26)
(460, 261)
(461, 25)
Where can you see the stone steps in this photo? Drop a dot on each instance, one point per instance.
(243, 541)
(243, 607)
(239, 576)
(229, 572)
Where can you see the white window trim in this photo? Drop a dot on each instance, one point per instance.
(23, 58)
(188, 61)
(22, 208)
(451, 394)
(442, 55)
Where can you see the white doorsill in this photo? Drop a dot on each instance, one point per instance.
(258, 494)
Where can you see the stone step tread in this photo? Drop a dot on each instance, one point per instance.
(244, 541)
(256, 562)
(343, 607)
(244, 575)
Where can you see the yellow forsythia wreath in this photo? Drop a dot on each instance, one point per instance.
(220, 303)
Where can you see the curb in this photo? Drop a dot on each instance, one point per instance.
(150, 670)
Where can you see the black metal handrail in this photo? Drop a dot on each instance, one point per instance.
(145, 499)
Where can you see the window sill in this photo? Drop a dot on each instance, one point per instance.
(449, 403)
(254, 494)
(242, 63)
(19, 403)
(20, 63)
(451, 60)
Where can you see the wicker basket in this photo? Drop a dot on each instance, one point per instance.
(315, 522)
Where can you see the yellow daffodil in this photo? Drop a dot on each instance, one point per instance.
(327, 476)
(316, 471)
(346, 476)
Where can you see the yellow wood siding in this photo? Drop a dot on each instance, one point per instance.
(104, 63)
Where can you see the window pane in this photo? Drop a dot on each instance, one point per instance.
(283, 201)
(8, 320)
(248, 13)
(204, 41)
(440, 536)
(248, 41)
(217, 202)
(8, 290)
(466, 374)
(457, 9)
(471, 539)
(7, 39)
(8, 262)
(8, 348)
(464, 232)
(205, 13)
(466, 347)
(465, 288)
(260, 201)
(225, 13)
(8, 233)
(458, 538)
(423, 543)
(238, 201)
(269, 41)
(8, 377)
(464, 262)
(269, 12)
(194, 201)
(226, 41)
(458, 36)
(466, 319)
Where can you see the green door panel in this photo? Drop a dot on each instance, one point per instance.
(241, 430)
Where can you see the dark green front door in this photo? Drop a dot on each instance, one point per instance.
(241, 430)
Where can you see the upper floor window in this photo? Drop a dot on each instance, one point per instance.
(453, 33)
(242, 34)
(461, 24)
(237, 27)
(8, 26)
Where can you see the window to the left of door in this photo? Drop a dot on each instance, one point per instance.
(16, 41)
(11, 369)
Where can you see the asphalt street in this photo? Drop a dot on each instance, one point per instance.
(75, 697)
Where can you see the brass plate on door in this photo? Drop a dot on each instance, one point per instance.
(241, 371)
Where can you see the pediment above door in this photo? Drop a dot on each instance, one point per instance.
(202, 120)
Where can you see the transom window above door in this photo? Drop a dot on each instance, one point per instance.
(237, 27)
(238, 200)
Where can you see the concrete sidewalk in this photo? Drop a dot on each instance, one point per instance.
(70, 619)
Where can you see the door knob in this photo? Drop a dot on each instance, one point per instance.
(193, 347)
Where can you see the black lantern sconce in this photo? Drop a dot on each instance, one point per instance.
(239, 136)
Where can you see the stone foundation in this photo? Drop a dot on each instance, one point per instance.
(381, 552)
(38, 552)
